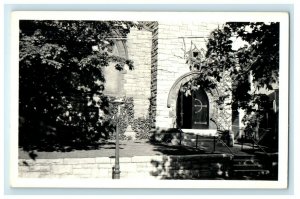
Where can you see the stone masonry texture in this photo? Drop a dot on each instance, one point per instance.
(159, 53)
(171, 42)
(143, 167)
(137, 82)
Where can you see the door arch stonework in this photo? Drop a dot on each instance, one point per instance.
(212, 95)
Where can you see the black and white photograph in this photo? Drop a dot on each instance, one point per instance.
(159, 99)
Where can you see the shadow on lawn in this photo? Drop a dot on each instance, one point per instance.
(187, 163)
(176, 150)
(33, 151)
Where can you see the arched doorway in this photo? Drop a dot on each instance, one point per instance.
(193, 110)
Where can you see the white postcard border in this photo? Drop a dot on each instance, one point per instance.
(153, 16)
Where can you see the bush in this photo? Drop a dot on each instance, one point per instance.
(141, 126)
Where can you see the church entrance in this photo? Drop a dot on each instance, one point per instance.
(193, 110)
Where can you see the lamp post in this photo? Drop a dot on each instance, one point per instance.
(116, 169)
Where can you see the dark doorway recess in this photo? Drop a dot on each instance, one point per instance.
(193, 110)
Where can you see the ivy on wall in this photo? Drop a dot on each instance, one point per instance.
(141, 126)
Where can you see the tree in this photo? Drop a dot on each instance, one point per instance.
(257, 59)
(61, 81)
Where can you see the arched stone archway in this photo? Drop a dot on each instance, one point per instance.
(212, 95)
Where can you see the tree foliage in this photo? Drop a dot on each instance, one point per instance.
(253, 66)
(61, 80)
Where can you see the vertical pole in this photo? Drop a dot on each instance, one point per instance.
(214, 143)
(181, 115)
(196, 141)
(116, 171)
(181, 109)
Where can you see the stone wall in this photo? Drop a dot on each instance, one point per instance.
(160, 58)
(134, 83)
(101, 167)
(144, 167)
(171, 44)
(137, 82)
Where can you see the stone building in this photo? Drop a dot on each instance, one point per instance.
(159, 52)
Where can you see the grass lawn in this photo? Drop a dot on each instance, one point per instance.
(129, 148)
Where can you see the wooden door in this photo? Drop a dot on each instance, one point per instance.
(200, 110)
